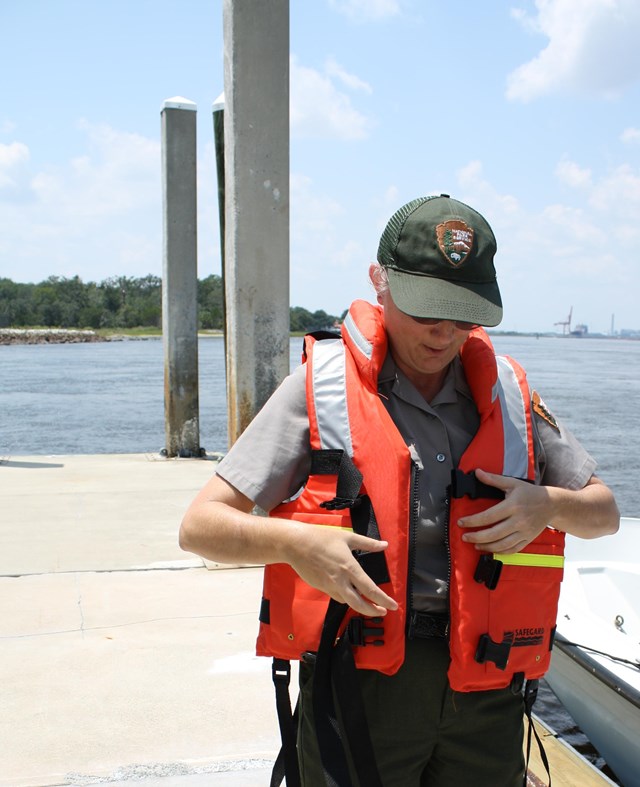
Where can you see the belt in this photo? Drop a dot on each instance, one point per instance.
(424, 625)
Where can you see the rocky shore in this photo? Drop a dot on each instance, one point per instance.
(48, 336)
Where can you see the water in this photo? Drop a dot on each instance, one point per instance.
(108, 398)
(592, 386)
(100, 398)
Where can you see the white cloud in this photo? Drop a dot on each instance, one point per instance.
(312, 215)
(365, 10)
(351, 254)
(630, 135)
(391, 195)
(522, 17)
(572, 174)
(618, 193)
(592, 48)
(12, 156)
(319, 109)
(315, 239)
(571, 228)
(472, 181)
(7, 126)
(96, 216)
(334, 69)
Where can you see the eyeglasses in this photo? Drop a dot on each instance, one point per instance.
(460, 324)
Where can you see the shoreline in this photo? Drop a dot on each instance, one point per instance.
(49, 336)
(14, 336)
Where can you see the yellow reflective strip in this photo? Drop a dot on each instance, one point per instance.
(332, 527)
(529, 559)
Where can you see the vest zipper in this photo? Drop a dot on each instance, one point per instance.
(447, 541)
(413, 535)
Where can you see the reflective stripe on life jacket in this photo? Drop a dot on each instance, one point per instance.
(502, 612)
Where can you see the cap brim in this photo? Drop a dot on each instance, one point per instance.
(426, 296)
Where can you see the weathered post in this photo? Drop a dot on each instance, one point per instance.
(218, 143)
(180, 278)
(256, 254)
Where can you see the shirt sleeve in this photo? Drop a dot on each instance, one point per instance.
(562, 461)
(271, 459)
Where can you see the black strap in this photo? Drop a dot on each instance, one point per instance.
(335, 672)
(330, 744)
(530, 694)
(286, 764)
(354, 719)
(363, 519)
(349, 481)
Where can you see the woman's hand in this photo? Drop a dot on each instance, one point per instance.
(322, 557)
(513, 523)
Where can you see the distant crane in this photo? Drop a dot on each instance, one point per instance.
(566, 324)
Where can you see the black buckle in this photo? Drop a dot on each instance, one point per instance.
(340, 502)
(281, 671)
(467, 484)
(497, 652)
(358, 629)
(488, 571)
(530, 695)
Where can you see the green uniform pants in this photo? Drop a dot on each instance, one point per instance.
(423, 733)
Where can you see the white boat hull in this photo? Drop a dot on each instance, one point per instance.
(599, 611)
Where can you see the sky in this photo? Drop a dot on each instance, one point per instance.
(528, 110)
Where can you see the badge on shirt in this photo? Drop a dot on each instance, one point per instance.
(541, 409)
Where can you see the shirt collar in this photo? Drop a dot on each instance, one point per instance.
(394, 381)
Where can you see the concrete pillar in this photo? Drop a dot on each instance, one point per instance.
(179, 278)
(256, 132)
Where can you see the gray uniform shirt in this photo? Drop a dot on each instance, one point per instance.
(271, 460)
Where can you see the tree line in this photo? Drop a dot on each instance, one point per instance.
(119, 302)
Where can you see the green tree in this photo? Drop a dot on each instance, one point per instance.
(299, 319)
(210, 303)
(120, 302)
(15, 303)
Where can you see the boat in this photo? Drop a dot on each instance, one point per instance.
(595, 666)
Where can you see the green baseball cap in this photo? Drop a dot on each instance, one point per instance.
(438, 255)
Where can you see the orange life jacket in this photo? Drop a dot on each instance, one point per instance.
(503, 607)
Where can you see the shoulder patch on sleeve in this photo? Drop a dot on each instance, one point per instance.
(541, 409)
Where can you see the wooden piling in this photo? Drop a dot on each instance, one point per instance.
(179, 278)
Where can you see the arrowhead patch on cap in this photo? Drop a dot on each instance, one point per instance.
(455, 241)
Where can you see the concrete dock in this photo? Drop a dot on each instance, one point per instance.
(124, 660)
